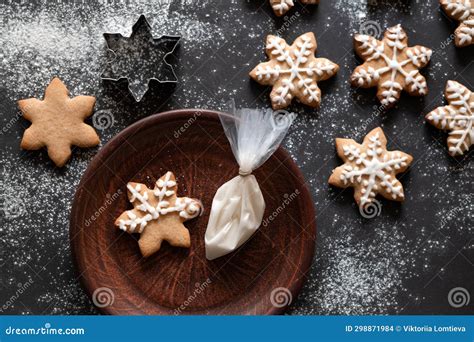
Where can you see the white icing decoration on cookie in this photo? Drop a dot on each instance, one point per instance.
(372, 49)
(457, 117)
(373, 168)
(280, 7)
(297, 75)
(463, 11)
(164, 188)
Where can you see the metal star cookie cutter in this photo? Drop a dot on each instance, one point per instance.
(140, 58)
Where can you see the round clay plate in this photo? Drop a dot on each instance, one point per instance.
(261, 277)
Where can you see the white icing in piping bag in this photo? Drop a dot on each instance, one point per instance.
(238, 206)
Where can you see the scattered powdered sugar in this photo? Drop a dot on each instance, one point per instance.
(66, 39)
(360, 11)
(353, 9)
(360, 277)
(36, 202)
(68, 298)
(24, 36)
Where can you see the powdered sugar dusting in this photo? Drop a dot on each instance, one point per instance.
(38, 45)
(349, 284)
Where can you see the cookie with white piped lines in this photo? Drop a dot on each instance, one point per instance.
(293, 71)
(158, 214)
(390, 65)
(370, 168)
(457, 118)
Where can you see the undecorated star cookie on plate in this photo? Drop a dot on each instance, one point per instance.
(457, 118)
(370, 168)
(293, 71)
(390, 65)
(158, 214)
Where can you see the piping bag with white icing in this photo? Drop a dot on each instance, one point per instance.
(238, 205)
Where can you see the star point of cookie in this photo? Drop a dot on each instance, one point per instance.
(158, 214)
(463, 12)
(457, 118)
(280, 7)
(370, 168)
(390, 65)
(293, 71)
(57, 122)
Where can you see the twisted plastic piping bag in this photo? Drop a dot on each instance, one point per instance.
(238, 205)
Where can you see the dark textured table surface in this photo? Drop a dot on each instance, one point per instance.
(406, 260)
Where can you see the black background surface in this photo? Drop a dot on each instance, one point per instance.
(406, 260)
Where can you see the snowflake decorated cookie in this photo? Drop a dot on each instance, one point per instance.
(370, 169)
(280, 7)
(57, 122)
(158, 214)
(390, 65)
(463, 12)
(457, 118)
(293, 71)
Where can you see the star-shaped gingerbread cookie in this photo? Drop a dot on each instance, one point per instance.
(457, 117)
(158, 214)
(57, 122)
(369, 168)
(390, 65)
(463, 12)
(293, 71)
(280, 7)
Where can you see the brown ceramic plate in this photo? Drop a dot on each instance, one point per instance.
(192, 144)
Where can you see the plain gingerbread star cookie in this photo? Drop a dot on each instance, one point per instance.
(390, 65)
(158, 214)
(57, 122)
(370, 169)
(457, 118)
(462, 11)
(280, 7)
(293, 71)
